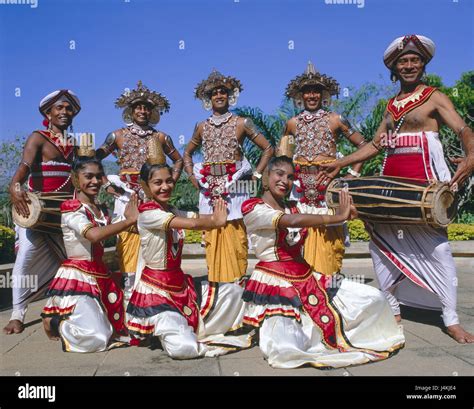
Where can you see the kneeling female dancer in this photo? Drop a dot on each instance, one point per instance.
(85, 309)
(302, 316)
(189, 320)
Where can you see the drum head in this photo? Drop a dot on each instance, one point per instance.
(35, 210)
(444, 207)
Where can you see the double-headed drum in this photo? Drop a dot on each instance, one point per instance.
(45, 213)
(395, 200)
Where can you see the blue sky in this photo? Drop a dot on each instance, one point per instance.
(118, 42)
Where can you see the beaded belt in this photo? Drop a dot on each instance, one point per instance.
(400, 151)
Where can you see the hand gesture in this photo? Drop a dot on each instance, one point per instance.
(131, 210)
(345, 202)
(219, 216)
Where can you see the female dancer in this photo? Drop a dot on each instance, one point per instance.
(304, 317)
(190, 320)
(85, 307)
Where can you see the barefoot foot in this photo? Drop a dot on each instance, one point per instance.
(13, 327)
(459, 334)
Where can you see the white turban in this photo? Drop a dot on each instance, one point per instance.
(410, 43)
(63, 95)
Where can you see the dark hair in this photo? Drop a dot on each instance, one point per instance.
(276, 160)
(80, 163)
(147, 170)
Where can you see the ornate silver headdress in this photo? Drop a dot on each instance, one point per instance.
(158, 102)
(216, 80)
(312, 77)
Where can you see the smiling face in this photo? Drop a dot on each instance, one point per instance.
(89, 179)
(61, 115)
(280, 180)
(141, 113)
(220, 100)
(161, 185)
(312, 97)
(409, 68)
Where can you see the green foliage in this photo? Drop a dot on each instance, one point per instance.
(192, 236)
(7, 244)
(185, 195)
(456, 232)
(10, 156)
(357, 230)
(460, 232)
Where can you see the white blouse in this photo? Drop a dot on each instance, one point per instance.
(262, 229)
(153, 227)
(74, 225)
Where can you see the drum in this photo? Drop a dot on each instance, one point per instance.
(388, 199)
(45, 215)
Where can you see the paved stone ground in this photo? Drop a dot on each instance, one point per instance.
(428, 350)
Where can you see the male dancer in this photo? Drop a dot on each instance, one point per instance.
(417, 269)
(46, 163)
(222, 136)
(314, 134)
(142, 110)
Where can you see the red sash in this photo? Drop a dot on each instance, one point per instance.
(180, 286)
(310, 291)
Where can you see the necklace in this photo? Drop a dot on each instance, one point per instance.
(139, 131)
(218, 120)
(413, 97)
(310, 116)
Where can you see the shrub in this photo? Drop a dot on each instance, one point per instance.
(461, 232)
(7, 244)
(357, 231)
(193, 236)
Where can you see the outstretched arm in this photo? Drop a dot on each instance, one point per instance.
(369, 150)
(451, 118)
(216, 220)
(309, 220)
(97, 234)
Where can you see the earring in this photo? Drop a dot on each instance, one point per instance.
(393, 77)
(50, 125)
(207, 104)
(424, 77)
(145, 189)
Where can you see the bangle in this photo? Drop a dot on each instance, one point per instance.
(353, 173)
(107, 185)
(462, 129)
(257, 175)
(379, 148)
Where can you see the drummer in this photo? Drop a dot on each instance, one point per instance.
(46, 165)
(414, 264)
